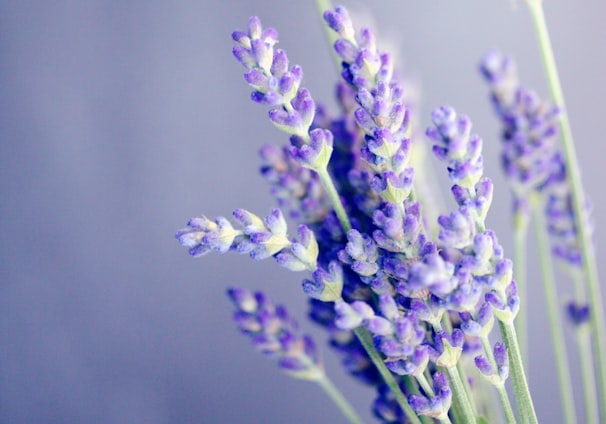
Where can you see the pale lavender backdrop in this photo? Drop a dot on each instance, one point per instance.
(121, 119)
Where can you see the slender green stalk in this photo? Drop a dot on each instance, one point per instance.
(583, 338)
(503, 396)
(333, 195)
(460, 395)
(366, 340)
(466, 386)
(520, 385)
(337, 397)
(555, 322)
(424, 383)
(589, 261)
(520, 233)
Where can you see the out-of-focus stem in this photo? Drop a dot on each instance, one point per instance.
(520, 233)
(555, 321)
(339, 400)
(333, 195)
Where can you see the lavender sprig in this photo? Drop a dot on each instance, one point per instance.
(293, 108)
(465, 231)
(260, 238)
(381, 114)
(275, 334)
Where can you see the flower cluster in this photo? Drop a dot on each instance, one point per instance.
(403, 304)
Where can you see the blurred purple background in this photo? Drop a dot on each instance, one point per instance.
(121, 119)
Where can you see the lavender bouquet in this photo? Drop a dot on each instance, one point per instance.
(420, 303)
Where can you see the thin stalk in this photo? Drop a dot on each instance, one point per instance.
(333, 195)
(460, 395)
(339, 400)
(590, 400)
(520, 385)
(555, 321)
(503, 396)
(589, 261)
(366, 340)
(520, 233)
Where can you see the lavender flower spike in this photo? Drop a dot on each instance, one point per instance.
(260, 238)
(279, 86)
(275, 334)
(382, 113)
(529, 126)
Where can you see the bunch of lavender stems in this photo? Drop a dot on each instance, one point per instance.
(409, 301)
(587, 252)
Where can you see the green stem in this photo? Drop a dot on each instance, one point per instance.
(503, 396)
(337, 397)
(588, 376)
(555, 321)
(589, 261)
(509, 416)
(366, 340)
(333, 195)
(460, 395)
(519, 275)
(520, 385)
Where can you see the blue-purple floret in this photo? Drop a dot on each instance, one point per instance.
(435, 406)
(494, 376)
(274, 333)
(559, 212)
(386, 408)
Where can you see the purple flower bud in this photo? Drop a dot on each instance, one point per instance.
(340, 22)
(578, 314)
(350, 316)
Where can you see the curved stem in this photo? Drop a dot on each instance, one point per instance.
(337, 397)
(366, 340)
(589, 261)
(555, 321)
(520, 385)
